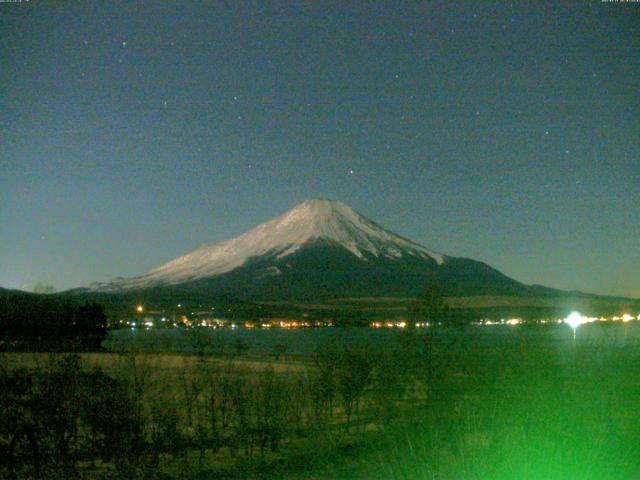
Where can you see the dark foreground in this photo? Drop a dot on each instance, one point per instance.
(416, 407)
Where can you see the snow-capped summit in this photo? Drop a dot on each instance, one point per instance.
(313, 220)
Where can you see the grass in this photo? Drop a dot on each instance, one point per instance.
(521, 407)
(521, 412)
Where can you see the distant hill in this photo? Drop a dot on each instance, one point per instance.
(6, 292)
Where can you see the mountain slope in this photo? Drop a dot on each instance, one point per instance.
(306, 223)
(322, 270)
(320, 249)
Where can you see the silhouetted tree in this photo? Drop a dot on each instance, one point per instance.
(353, 375)
(38, 322)
(430, 307)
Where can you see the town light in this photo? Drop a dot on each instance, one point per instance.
(574, 320)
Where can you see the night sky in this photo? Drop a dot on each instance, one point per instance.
(132, 132)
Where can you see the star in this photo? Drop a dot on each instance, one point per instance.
(350, 172)
(546, 132)
(124, 44)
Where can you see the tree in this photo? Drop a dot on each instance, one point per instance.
(51, 322)
(355, 366)
(60, 413)
(90, 319)
(89, 324)
(430, 307)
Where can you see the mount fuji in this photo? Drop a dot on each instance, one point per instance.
(320, 249)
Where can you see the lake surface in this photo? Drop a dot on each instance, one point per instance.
(305, 341)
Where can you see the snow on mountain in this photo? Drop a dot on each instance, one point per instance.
(282, 236)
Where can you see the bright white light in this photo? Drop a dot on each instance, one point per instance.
(626, 317)
(574, 320)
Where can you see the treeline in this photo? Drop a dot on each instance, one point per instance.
(44, 321)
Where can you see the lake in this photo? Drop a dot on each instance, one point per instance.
(305, 341)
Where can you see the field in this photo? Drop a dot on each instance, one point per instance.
(420, 406)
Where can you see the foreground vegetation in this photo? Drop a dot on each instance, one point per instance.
(428, 406)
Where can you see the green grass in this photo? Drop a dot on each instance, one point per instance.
(521, 412)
